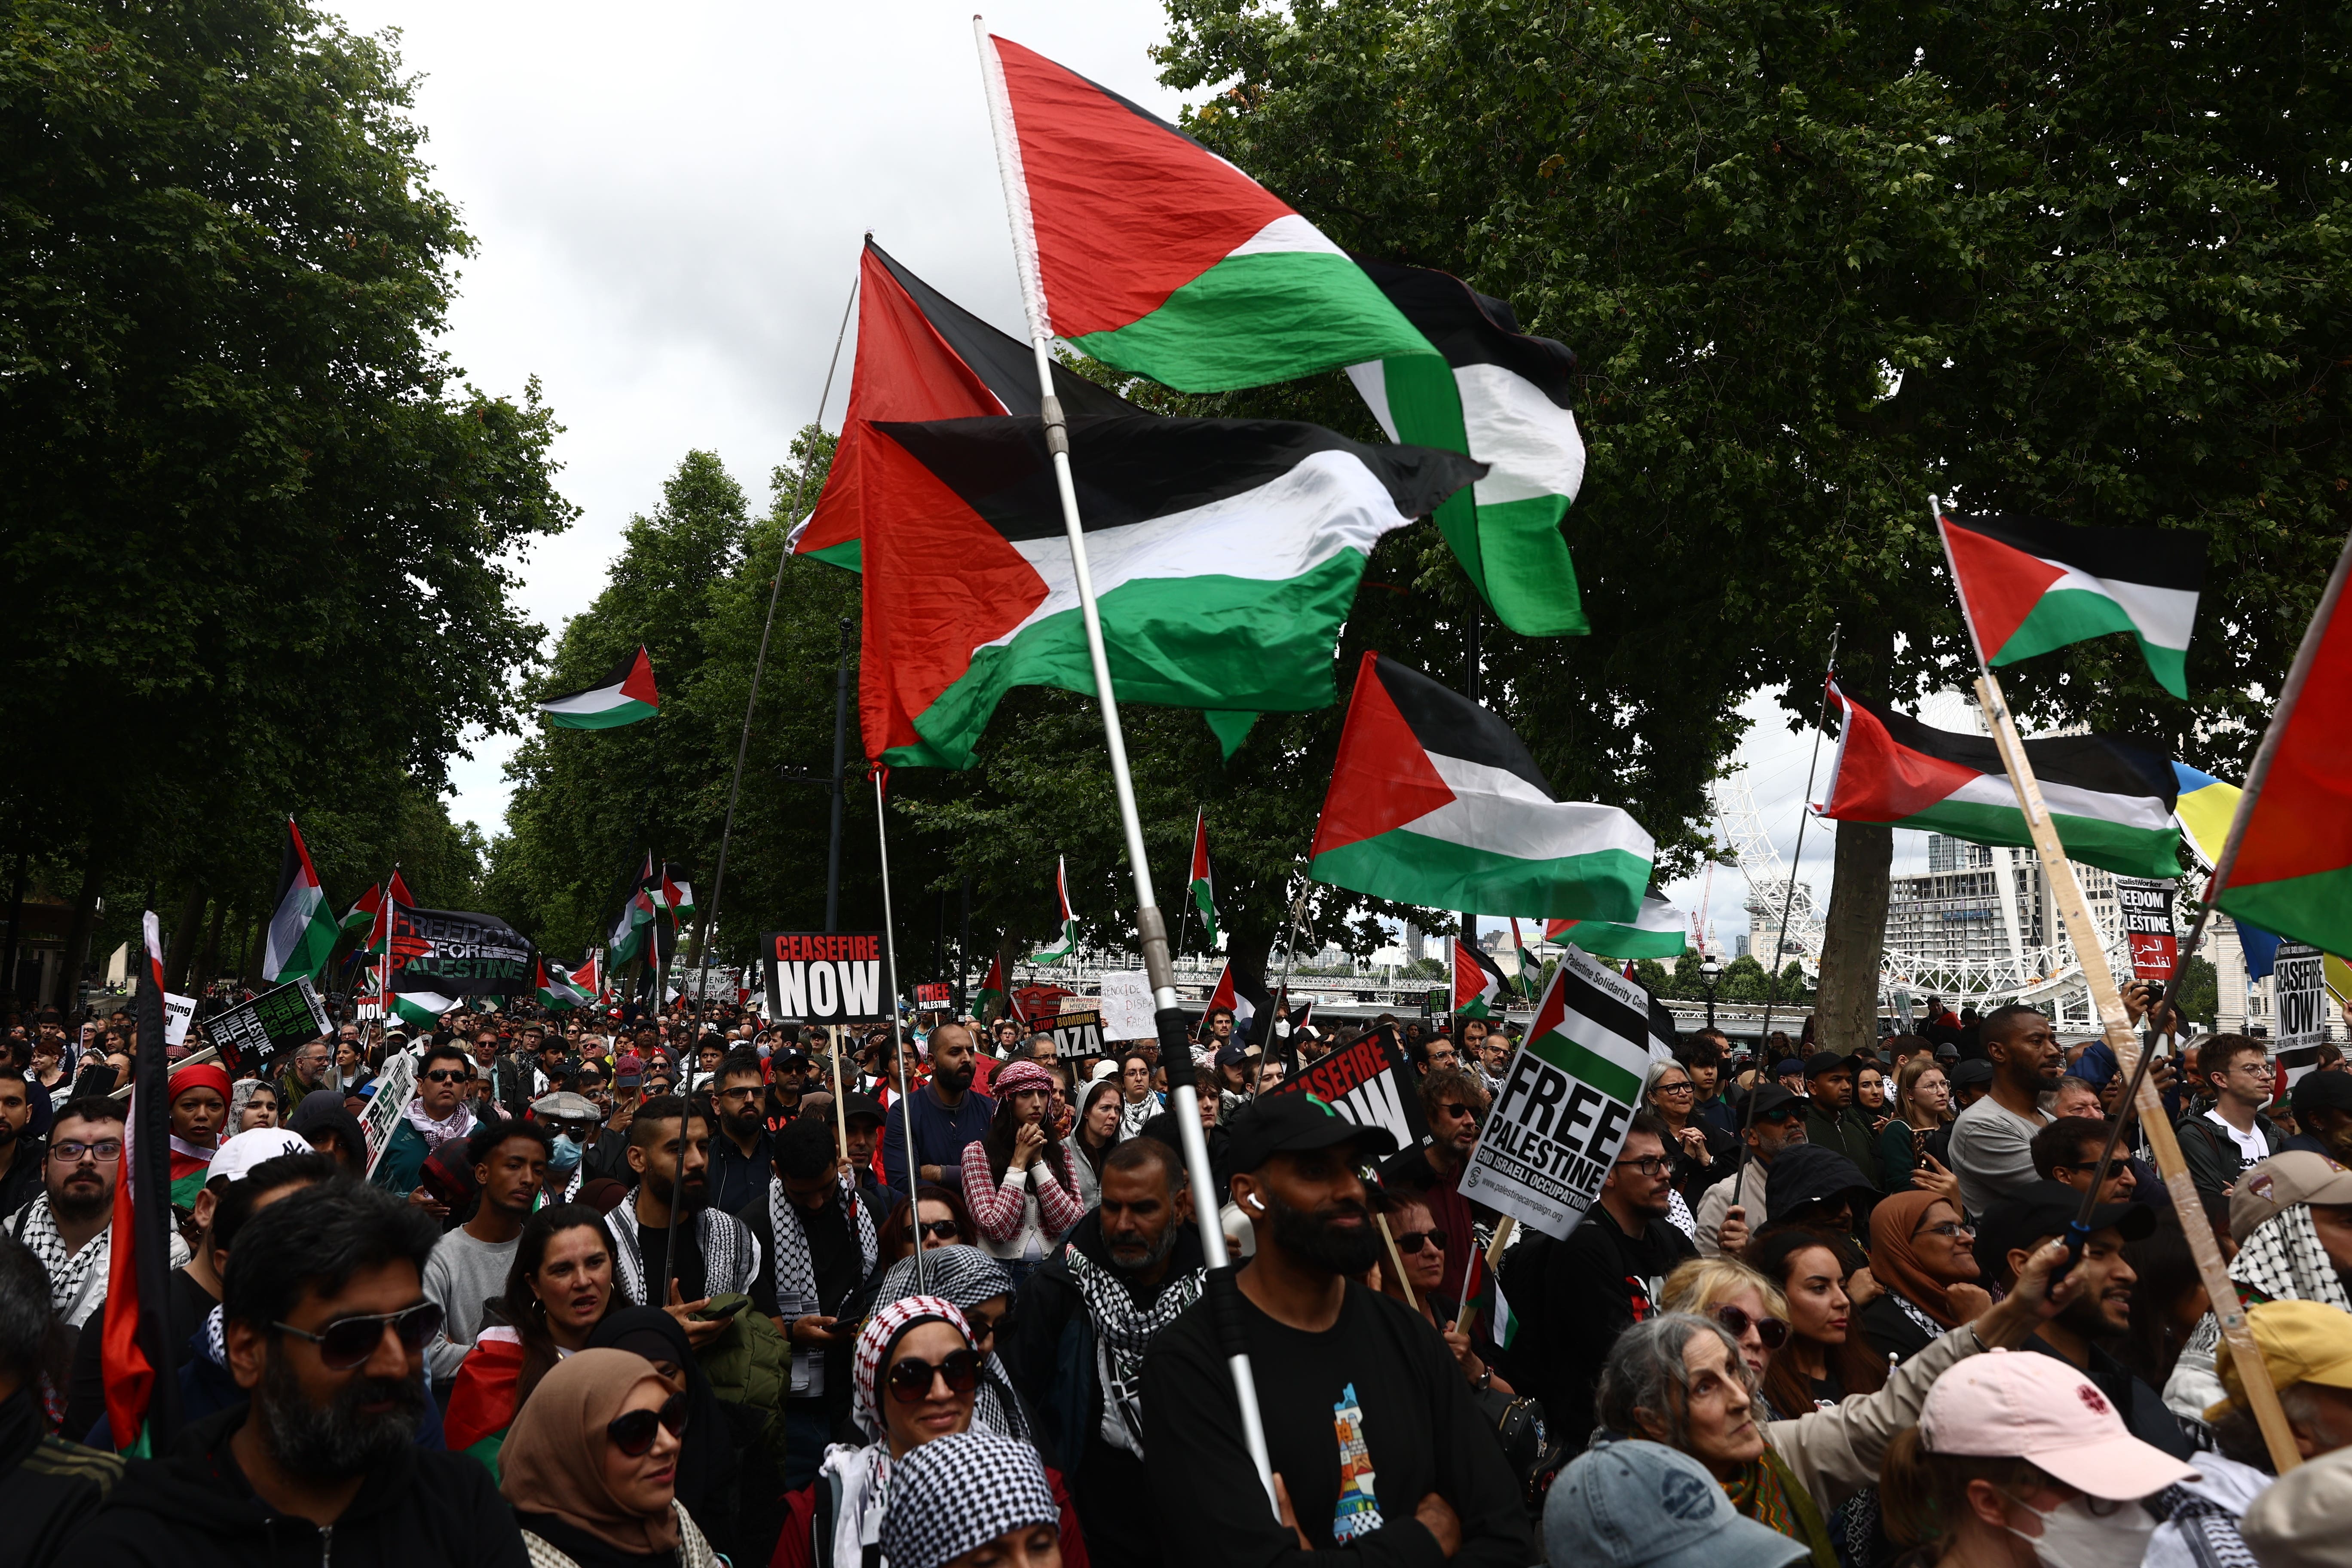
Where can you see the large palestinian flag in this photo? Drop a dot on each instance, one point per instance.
(1434, 802)
(1225, 555)
(1479, 986)
(2110, 800)
(1067, 942)
(1505, 398)
(623, 696)
(556, 989)
(2028, 587)
(921, 356)
(1150, 252)
(2293, 874)
(301, 932)
(1658, 932)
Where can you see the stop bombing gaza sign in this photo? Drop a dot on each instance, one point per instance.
(823, 977)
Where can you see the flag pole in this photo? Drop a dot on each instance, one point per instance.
(2090, 952)
(898, 1047)
(1151, 927)
(758, 666)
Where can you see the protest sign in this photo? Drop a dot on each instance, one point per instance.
(1568, 1097)
(1437, 1002)
(1078, 1033)
(454, 953)
(823, 977)
(1127, 1005)
(278, 1020)
(1368, 1083)
(934, 996)
(2299, 979)
(2146, 910)
(394, 1084)
(178, 1013)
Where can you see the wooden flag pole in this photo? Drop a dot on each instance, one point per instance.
(1151, 927)
(2115, 1023)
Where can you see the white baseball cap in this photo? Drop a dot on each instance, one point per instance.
(250, 1148)
(2035, 1407)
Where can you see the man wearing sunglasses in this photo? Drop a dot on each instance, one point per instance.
(1454, 1103)
(1777, 1122)
(436, 1114)
(1369, 1421)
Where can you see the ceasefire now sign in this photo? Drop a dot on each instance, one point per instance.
(823, 977)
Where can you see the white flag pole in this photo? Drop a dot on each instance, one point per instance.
(1168, 1016)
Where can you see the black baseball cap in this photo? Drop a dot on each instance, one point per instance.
(2045, 1209)
(1807, 1173)
(1974, 1073)
(1770, 1099)
(1296, 1123)
(1820, 1062)
(2321, 1091)
(854, 1105)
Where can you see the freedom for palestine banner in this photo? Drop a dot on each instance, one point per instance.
(441, 954)
(1569, 1096)
(2110, 800)
(1225, 554)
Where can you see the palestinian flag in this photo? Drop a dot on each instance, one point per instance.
(2028, 587)
(556, 989)
(301, 932)
(424, 1008)
(627, 938)
(1505, 398)
(1148, 251)
(482, 1400)
(921, 356)
(993, 993)
(1205, 892)
(1478, 984)
(2293, 874)
(590, 975)
(674, 892)
(1658, 932)
(1226, 994)
(623, 696)
(1596, 1027)
(2110, 800)
(361, 916)
(1224, 556)
(1068, 943)
(380, 909)
(1522, 983)
(136, 1353)
(1434, 802)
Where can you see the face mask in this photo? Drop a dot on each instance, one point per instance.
(2074, 1537)
(565, 1155)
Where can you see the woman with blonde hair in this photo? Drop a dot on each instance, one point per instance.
(1922, 1103)
(1746, 1303)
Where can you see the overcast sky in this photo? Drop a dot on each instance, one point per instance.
(668, 205)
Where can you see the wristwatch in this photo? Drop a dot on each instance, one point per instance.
(1486, 1379)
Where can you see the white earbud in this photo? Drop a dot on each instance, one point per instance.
(1255, 1204)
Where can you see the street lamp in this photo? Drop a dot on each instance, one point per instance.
(1709, 967)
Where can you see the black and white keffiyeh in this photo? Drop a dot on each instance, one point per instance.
(966, 1276)
(77, 1280)
(731, 1254)
(1123, 1331)
(956, 1494)
(796, 1294)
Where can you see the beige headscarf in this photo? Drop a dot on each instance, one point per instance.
(553, 1459)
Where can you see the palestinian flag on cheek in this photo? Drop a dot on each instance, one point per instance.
(2029, 586)
(1434, 802)
(921, 356)
(1150, 252)
(625, 696)
(2110, 800)
(1224, 554)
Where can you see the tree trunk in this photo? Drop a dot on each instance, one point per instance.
(208, 961)
(1845, 1016)
(85, 914)
(179, 953)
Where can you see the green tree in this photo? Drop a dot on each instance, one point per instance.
(2198, 992)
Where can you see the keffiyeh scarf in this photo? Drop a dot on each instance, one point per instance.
(956, 1494)
(78, 1280)
(1123, 1331)
(876, 1338)
(457, 1124)
(2280, 1262)
(966, 1275)
(796, 1272)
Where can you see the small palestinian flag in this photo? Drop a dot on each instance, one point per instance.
(1478, 984)
(556, 989)
(361, 916)
(1434, 802)
(1205, 892)
(380, 912)
(1148, 251)
(482, 1402)
(424, 1008)
(2293, 874)
(1225, 555)
(2028, 587)
(1523, 983)
(1503, 398)
(921, 356)
(627, 938)
(1227, 995)
(993, 992)
(2110, 800)
(623, 697)
(301, 932)
(1068, 943)
(1658, 932)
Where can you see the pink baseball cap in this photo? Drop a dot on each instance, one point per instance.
(2030, 1406)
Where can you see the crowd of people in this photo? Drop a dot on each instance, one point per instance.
(687, 1288)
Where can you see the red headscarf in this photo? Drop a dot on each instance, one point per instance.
(203, 1075)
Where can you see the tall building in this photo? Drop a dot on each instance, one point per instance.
(1416, 943)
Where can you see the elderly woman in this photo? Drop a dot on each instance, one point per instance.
(969, 1500)
(916, 1378)
(1694, 1148)
(1679, 1379)
(591, 1468)
(1923, 1255)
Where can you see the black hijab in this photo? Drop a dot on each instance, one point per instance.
(706, 1457)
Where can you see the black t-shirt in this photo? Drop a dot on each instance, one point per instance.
(1574, 1297)
(1362, 1420)
(653, 1246)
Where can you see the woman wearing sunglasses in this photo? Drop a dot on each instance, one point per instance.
(591, 1468)
(709, 1462)
(1421, 1247)
(915, 1378)
(942, 1221)
(1922, 1256)
(1746, 1303)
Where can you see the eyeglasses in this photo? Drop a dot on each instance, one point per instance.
(910, 1379)
(632, 1431)
(1675, 1089)
(1412, 1241)
(446, 1075)
(348, 1342)
(1772, 1331)
(1949, 1228)
(106, 1151)
(1650, 1165)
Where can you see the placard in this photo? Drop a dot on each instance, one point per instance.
(2299, 981)
(1368, 1083)
(1437, 1002)
(455, 952)
(823, 977)
(395, 1085)
(179, 1012)
(1126, 1011)
(278, 1020)
(2145, 906)
(1078, 1034)
(934, 996)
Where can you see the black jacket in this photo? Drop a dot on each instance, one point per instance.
(1572, 1299)
(47, 1488)
(194, 1510)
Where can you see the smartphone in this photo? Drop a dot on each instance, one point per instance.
(2155, 992)
(720, 1314)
